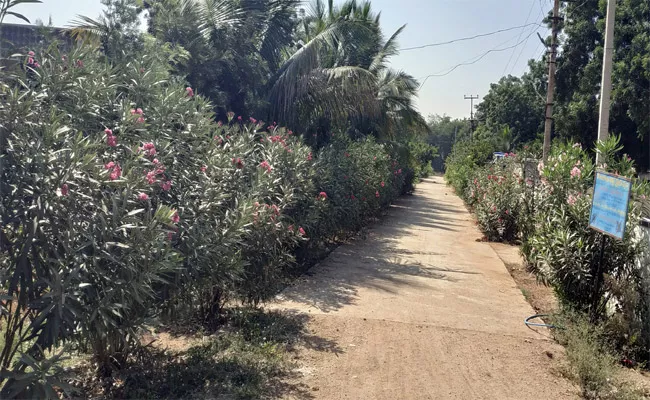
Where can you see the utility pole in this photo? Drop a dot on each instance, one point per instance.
(606, 79)
(471, 111)
(548, 122)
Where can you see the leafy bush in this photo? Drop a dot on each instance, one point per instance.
(354, 180)
(124, 200)
(495, 194)
(591, 362)
(564, 252)
(465, 157)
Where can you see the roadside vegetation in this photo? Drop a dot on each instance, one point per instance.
(164, 179)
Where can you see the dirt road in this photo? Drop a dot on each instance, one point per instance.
(421, 310)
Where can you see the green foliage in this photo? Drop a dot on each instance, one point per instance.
(580, 68)
(123, 200)
(515, 105)
(444, 132)
(465, 157)
(495, 193)
(591, 363)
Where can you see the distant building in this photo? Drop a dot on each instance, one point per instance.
(20, 38)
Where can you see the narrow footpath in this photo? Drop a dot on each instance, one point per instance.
(421, 310)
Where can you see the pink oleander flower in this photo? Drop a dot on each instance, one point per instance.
(290, 228)
(166, 185)
(204, 168)
(266, 166)
(109, 165)
(310, 157)
(189, 91)
(143, 196)
(377, 193)
(155, 161)
(175, 217)
(576, 172)
(64, 189)
(301, 231)
(149, 148)
(382, 184)
(108, 132)
(252, 120)
(31, 53)
(239, 118)
(572, 200)
(116, 172)
(322, 196)
(151, 177)
(111, 141)
(239, 163)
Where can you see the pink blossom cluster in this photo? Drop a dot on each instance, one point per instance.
(140, 113)
(115, 170)
(111, 140)
(266, 166)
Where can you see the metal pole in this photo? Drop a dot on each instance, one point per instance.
(598, 280)
(548, 122)
(606, 83)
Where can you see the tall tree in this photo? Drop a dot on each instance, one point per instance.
(516, 105)
(579, 72)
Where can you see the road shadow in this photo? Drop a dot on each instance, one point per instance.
(378, 262)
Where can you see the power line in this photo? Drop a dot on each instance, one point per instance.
(532, 5)
(476, 60)
(469, 38)
(523, 47)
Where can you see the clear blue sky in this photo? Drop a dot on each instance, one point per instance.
(428, 21)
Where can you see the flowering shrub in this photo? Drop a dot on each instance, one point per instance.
(465, 158)
(123, 199)
(356, 179)
(80, 250)
(495, 194)
(563, 250)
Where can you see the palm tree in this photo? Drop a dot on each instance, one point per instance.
(341, 72)
(326, 68)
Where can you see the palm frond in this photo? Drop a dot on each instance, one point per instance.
(86, 29)
(276, 30)
(288, 85)
(389, 49)
(219, 14)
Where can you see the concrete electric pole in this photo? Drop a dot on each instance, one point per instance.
(471, 111)
(606, 79)
(548, 122)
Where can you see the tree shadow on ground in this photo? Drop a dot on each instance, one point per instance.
(379, 263)
(247, 359)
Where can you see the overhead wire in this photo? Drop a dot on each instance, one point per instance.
(524, 46)
(474, 60)
(532, 5)
(469, 37)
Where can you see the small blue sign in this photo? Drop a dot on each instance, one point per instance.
(610, 204)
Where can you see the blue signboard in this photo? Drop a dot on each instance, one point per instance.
(610, 203)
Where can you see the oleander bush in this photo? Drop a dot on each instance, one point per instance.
(124, 203)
